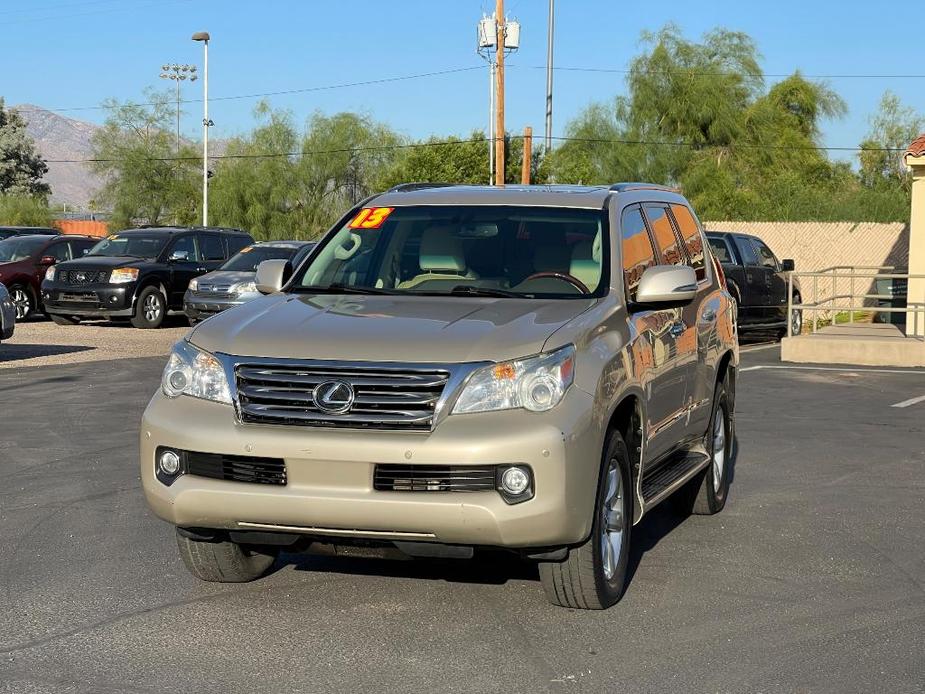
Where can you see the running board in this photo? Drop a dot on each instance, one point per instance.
(671, 476)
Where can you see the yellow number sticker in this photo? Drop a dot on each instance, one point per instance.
(371, 217)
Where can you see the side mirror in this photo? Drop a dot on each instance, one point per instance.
(47, 260)
(179, 255)
(787, 265)
(668, 285)
(271, 274)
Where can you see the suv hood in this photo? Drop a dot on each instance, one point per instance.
(227, 277)
(387, 328)
(103, 261)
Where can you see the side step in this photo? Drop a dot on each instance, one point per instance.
(670, 476)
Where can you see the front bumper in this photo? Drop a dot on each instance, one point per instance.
(329, 492)
(200, 305)
(104, 300)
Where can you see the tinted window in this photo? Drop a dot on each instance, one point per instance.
(80, 248)
(721, 249)
(58, 251)
(236, 243)
(765, 256)
(746, 250)
(187, 245)
(691, 238)
(211, 247)
(637, 250)
(458, 249)
(663, 233)
(15, 248)
(135, 245)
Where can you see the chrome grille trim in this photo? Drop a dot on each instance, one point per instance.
(390, 396)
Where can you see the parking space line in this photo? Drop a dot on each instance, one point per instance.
(758, 348)
(846, 369)
(910, 401)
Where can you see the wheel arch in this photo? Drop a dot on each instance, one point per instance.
(628, 418)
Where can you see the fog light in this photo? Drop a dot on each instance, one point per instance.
(515, 481)
(169, 463)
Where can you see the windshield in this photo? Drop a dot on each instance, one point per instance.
(131, 245)
(249, 258)
(463, 250)
(13, 248)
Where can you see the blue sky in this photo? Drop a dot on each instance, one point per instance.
(75, 53)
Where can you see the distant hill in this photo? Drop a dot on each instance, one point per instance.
(58, 137)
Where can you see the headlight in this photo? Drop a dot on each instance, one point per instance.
(243, 288)
(534, 383)
(50, 273)
(193, 284)
(190, 371)
(121, 275)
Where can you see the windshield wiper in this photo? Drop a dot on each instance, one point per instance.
(468, 289)
(339, 288)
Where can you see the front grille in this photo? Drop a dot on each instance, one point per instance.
(384, 397)
(213, 291)
(82, 276)
(434, 478)
(236, 468)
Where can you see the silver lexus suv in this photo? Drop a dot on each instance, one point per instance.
(455, 369)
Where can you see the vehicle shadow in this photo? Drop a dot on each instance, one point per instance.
(492, 567)
(18, 351)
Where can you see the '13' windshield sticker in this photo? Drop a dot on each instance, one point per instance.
(371, 217)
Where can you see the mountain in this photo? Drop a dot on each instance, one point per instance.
(58, 137)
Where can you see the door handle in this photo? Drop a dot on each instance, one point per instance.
(708, 316)
(677, 329)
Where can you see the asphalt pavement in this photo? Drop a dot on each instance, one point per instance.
(812, 579)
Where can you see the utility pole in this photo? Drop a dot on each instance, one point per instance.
(550, 30)
(206, 123)
(528, 156)
(499, 114)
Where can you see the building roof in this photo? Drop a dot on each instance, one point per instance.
(917, 148)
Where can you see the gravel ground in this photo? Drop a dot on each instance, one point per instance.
(39, 342)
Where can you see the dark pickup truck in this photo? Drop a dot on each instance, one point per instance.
(757, 281)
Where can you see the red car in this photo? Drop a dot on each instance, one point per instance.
(24, 259)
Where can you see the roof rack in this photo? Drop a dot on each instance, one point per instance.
(408, 187)
(627, 187)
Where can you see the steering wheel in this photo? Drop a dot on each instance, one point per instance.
(564, 277)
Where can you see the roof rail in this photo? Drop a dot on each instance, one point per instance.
(627, 187)
(408, 187)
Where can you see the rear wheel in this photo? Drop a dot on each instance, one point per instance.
(593, 575)
(223, 562)
(64, 320)
(23, 301)
(795, 318)
(710, 496)
(150, 309)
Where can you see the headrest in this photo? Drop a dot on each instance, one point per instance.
(586, 262)
(442, 250)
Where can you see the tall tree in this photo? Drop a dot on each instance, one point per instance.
(146, 180)
(21, 167)
(892, 128)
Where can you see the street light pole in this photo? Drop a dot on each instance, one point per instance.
(204, 37)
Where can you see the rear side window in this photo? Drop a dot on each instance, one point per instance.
(663, 234)
(744, 244)
(211, 247)
(637, 250)
(58, 251)
(691, 238)
(236, 243)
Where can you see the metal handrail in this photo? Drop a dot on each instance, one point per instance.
(851, 273)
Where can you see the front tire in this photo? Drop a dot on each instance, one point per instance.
(224, 561)
(150, 309)
(593, 575)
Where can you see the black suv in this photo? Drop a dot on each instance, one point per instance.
(757, 281)
(139, 274)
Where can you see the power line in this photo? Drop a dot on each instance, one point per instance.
(720, 73)
(304, 90)
(441, 143)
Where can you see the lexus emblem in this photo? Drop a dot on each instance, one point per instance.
(334, 397)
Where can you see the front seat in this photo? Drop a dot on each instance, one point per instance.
(442, 261)
(586, 262)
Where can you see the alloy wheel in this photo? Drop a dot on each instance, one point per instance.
(719, 446)
(22, 303)
(612, 520)
(152, 308)
(796, 322)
